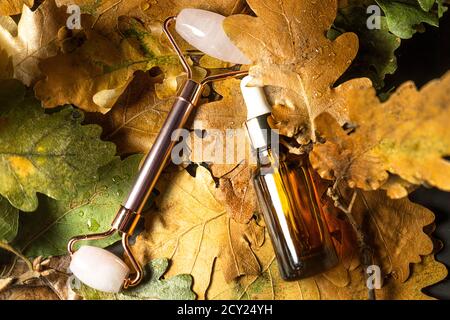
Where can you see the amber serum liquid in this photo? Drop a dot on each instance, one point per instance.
(288, 197)
(294, 216)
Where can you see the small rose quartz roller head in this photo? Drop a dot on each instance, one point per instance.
(99, 268)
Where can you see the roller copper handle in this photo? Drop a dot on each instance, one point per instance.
(162, 147)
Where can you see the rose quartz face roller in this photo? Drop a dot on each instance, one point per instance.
(99, 268)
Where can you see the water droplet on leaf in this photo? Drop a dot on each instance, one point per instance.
(317, 94)
(93, 224)
(116, 179)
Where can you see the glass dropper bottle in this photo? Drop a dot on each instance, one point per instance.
(288, 198)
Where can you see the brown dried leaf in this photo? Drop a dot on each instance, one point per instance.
(77, 77)
(161, 9)
(29, 293)
(406, 136)
(289, 49)
(229, 112)
(223, 128)
(237, 192)
(190, 226)
(47, 281)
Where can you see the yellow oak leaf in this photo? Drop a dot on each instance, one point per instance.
(288, 46)
(150, 10)
(406, 137)
(13, 7)
(137, 117)
(394, 230)
(191, 227)
(94, 75)
(423, 274)
(226, 149)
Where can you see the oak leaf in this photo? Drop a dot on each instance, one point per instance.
(107, 11)
(226, 149)
(51, 154)
(9, 220)
(33, 39)
(13, 7)
(423, 274)
(406, 136)
(394, 230)
(269, 286)
(48, 277)
(287, 44)
(102, 66)
(404, 17)
(41, 292)
(376, 54)
(47, 231)
(191, 227)
(136, 119)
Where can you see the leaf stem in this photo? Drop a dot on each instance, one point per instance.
(365, 251)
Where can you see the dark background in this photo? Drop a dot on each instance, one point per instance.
(425, 57)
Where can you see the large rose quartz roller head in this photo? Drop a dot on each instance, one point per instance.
(99, 269)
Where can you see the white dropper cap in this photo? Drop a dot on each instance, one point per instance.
(258, 109)
(255, 99)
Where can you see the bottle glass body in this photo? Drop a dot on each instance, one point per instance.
(294, 216)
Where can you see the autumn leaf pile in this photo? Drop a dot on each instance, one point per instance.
(79, 108)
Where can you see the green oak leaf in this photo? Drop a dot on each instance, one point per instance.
(53, 154)
(426, 5)
(402, 17)
(152, 288)
(376, 55)
(47, 231)
(441, 8)
(9, 220)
